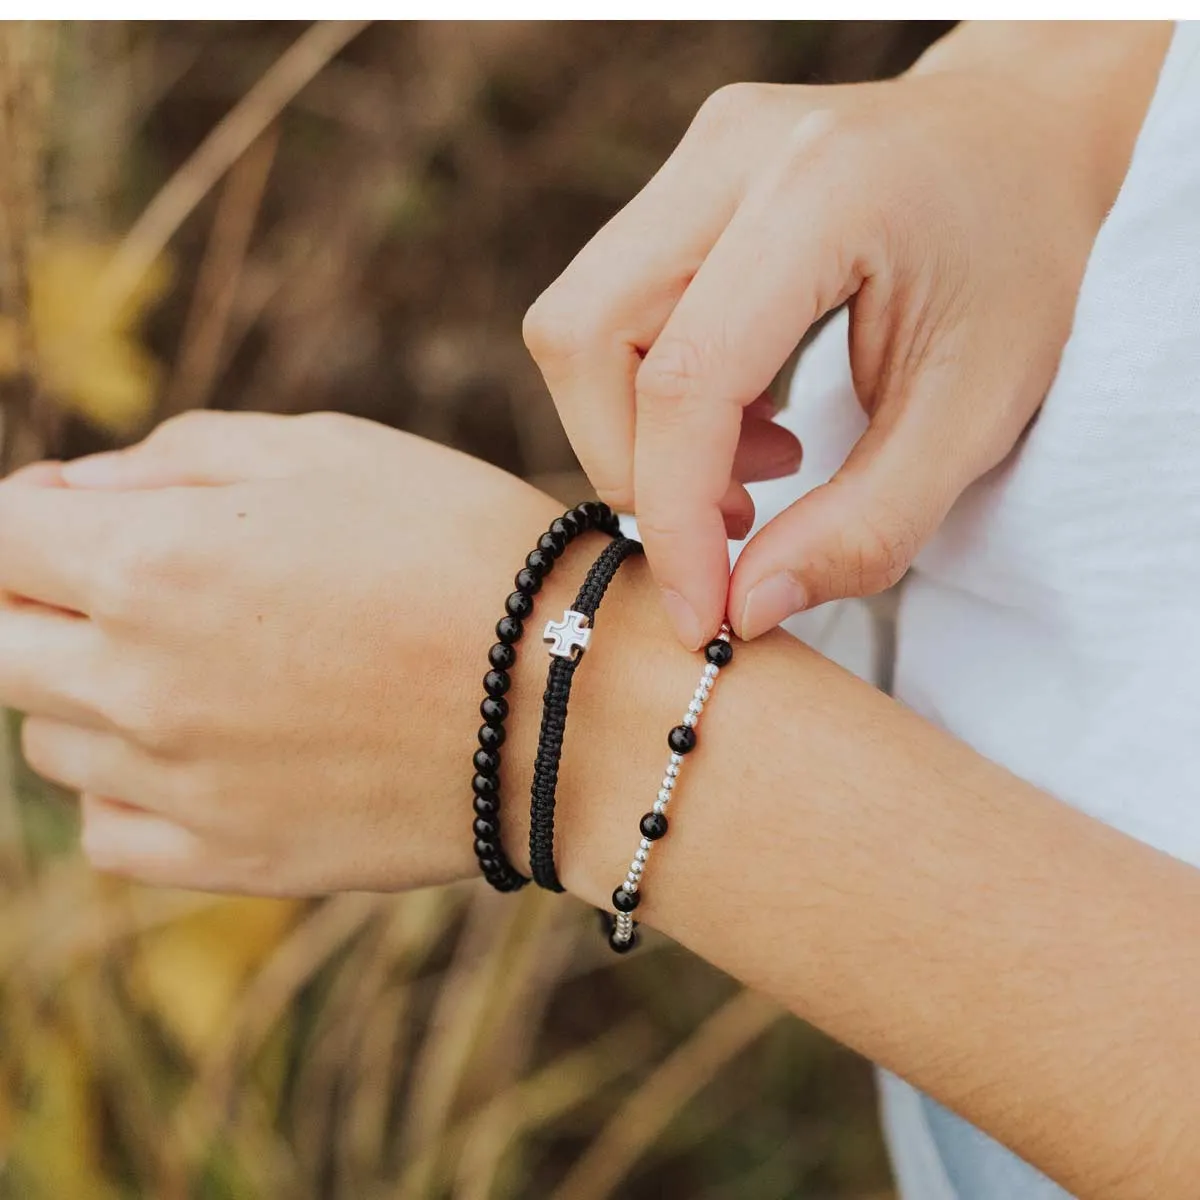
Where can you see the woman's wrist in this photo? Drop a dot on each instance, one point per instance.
(1089, 81)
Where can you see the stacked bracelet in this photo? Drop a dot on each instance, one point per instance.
(621, 927)
(493, 862)
(568, 639)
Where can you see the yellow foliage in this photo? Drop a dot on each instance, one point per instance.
(88, 356)
(57, 1138)
(191, 972)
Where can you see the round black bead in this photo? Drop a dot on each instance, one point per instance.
(519, 604)
(502, 656)
(624, 901)
(527, 581)
(565, 527)
(485, 848)
(682, 739)
(486, 828)
(589, 514)
(489, 864)
(719, 653)
(493, 709)
(484, 785)
(624, 947)
(487, 762)
(653, 826)
(540, 561)
(502, 880)
(496, 683)
(552, 542)
(509, 629)
(485, 806)
(491, 737)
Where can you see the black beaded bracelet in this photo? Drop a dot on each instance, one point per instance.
(493, 862)
(568, 639)
(619, 926)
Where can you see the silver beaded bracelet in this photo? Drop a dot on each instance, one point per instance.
(622, 928)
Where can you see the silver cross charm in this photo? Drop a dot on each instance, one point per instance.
(568, 635)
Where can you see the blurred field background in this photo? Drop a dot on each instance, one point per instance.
(289, 217)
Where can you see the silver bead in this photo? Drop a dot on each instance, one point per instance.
(664, 794)
(689, 719)
(668, 784)
(641, 855)
(672, 768)
(645, 844)
(705, 684)
(711, 670)
(723, 636)
(630, 884)
(696, 707)
(660, 806)
(676, 759)
(636, 867)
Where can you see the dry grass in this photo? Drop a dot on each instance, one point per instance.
(358, 222)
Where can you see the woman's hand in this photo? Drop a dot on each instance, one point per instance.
(262, 669)
(954, 209)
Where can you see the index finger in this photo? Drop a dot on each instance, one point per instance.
(779, 264)
(54, 542)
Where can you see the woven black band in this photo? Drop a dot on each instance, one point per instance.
(554, 717)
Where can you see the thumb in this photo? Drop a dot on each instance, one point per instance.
(195, 449)
(858, 533)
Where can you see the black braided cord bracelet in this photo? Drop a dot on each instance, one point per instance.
(569, 638)
(496, 866)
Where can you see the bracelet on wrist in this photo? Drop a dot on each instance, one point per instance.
(568, 640)
(494, 863)
(620, 925)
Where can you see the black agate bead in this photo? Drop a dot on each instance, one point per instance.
(519, 604)
(493, 709)
(540, 562)
(502, 656)
(623, 947)
(491, 737)
(553, 542)
(719, 653)
(484, 785)
(682, 739)
(496, 683)
(528, 582)
(653, 826)
(509, 629)
(485, 829)
(624, 901)
(485, 806)
(487, 762)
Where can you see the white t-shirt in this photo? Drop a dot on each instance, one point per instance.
(1053, 623)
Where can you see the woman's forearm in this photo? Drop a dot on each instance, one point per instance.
(1028, 966)
(1095, 79)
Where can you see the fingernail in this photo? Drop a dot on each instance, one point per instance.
(95, 470)
(684, 618)
(770, 601)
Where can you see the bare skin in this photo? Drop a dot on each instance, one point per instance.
(252, 676)
(954, 208)
(253, 643)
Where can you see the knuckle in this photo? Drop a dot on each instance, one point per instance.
(729, 107)
(142, 566)
(148, 714)
(671, 371)
(185, 426)
(551, 329)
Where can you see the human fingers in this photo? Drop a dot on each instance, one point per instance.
(51, 663)
(56, 545)
(801, 242)
(125, 840)
(589, 330)
(85, 759)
